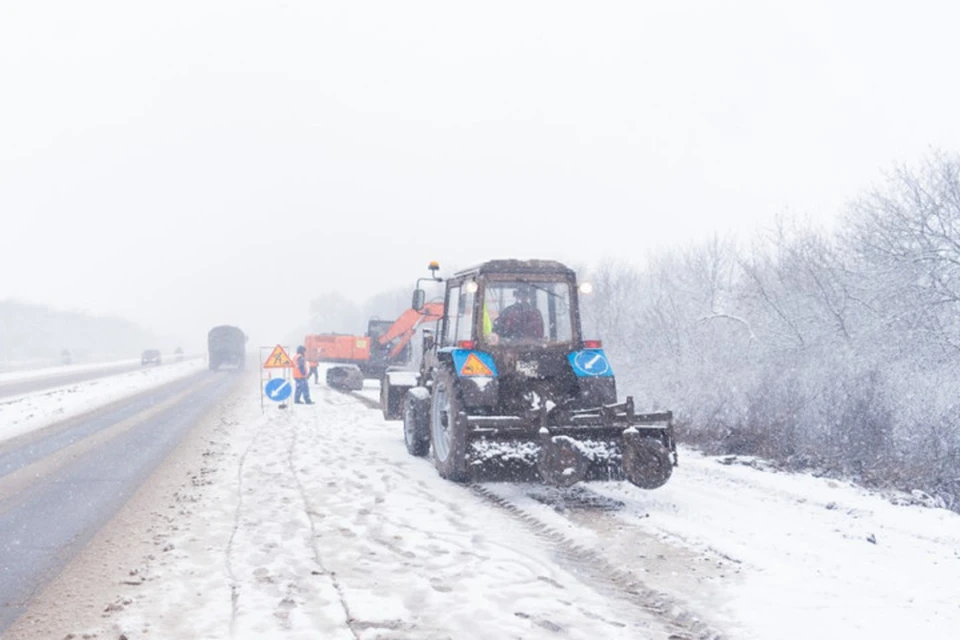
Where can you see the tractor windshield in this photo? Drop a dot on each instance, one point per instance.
(526, 312)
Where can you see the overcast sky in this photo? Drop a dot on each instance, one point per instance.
(184, 164)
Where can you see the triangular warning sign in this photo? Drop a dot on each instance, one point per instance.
(278, 359)
(475, 367)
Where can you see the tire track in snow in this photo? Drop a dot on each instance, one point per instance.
(617, 582)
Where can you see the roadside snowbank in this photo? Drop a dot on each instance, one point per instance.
(21, 414)
(60, 370)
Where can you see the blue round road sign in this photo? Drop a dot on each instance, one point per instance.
(590, 362)
(278, 389)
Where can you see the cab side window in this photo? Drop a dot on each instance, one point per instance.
(557, 301)
(459, 324)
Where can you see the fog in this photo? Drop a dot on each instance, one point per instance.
(186, 164)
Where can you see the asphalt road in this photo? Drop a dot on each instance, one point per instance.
(60, 485)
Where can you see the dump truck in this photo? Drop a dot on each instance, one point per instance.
(226, 345)
(509, 388)
(386, 344)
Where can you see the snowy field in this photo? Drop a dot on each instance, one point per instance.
(316, 523)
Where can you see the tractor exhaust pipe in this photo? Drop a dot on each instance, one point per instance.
(646, 461)
(559, 461)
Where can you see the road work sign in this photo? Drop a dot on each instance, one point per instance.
(278, 359)
(278, 389)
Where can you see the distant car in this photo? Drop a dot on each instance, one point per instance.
(150, 356)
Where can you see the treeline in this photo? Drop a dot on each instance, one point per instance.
(332, 312)
(837, 352)
(36, 335)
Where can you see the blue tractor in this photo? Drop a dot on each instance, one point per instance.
(509, 389)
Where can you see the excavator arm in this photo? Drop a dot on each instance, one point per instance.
(406, 325)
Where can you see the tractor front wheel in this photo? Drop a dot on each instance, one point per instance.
(448, 428)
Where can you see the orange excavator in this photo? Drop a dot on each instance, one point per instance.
(386, 344)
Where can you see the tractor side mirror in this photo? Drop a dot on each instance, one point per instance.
(428, 340)
(419, 296)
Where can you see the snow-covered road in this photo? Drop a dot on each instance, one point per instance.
(317, 523)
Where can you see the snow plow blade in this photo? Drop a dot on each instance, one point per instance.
(345, 378)
(562, 448)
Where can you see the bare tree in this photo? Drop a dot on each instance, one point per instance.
(609, 310)
(817, 350)
(906, 239)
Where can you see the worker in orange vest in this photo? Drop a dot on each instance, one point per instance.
(313, 364)
(300, 373)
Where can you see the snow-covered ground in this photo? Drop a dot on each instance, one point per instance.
(316, 523)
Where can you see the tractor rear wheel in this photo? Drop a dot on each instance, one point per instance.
(448, 428)
(416, 423)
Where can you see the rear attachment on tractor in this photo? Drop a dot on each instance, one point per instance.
(608, 443)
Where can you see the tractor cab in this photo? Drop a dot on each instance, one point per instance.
(505, 303)
(523, 317)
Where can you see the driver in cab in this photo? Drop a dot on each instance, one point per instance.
(521, 321)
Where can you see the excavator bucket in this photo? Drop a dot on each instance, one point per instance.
(345, 377)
